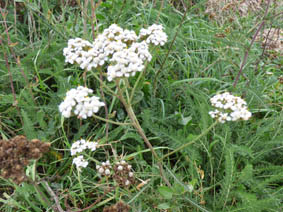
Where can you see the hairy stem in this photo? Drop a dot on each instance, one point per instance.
(103, 84)
(139, 129)
(105, 105)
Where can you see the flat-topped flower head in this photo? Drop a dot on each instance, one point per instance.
(229, 108)
(123, 51)
(78, 102)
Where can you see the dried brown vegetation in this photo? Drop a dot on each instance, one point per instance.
(223, 10)
(118, 207)
(272, 39)
(123, 175)
(15, 155)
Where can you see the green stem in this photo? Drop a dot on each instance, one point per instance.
(138, 80)
(135, 86)
(104, 100)
(193, 141)
(139, 129)
(41, 194)
(103, 84)
(109, 121)
(80, 182)
(127, 93)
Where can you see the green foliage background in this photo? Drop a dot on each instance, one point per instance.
(235, 167)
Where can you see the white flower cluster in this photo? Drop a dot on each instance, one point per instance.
(81, 145)
(229, 108)
(76, 51)
(78, 102)
(79, 161)
(141, 49)
(154, 34)
(105, 168)
(125, 63)
(78, 147)
(117, 46)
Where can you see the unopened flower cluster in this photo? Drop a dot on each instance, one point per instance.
(122, 49)
(78, 102)
(80, 146)
(121, 172)
(104, 168)
(229, 108)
